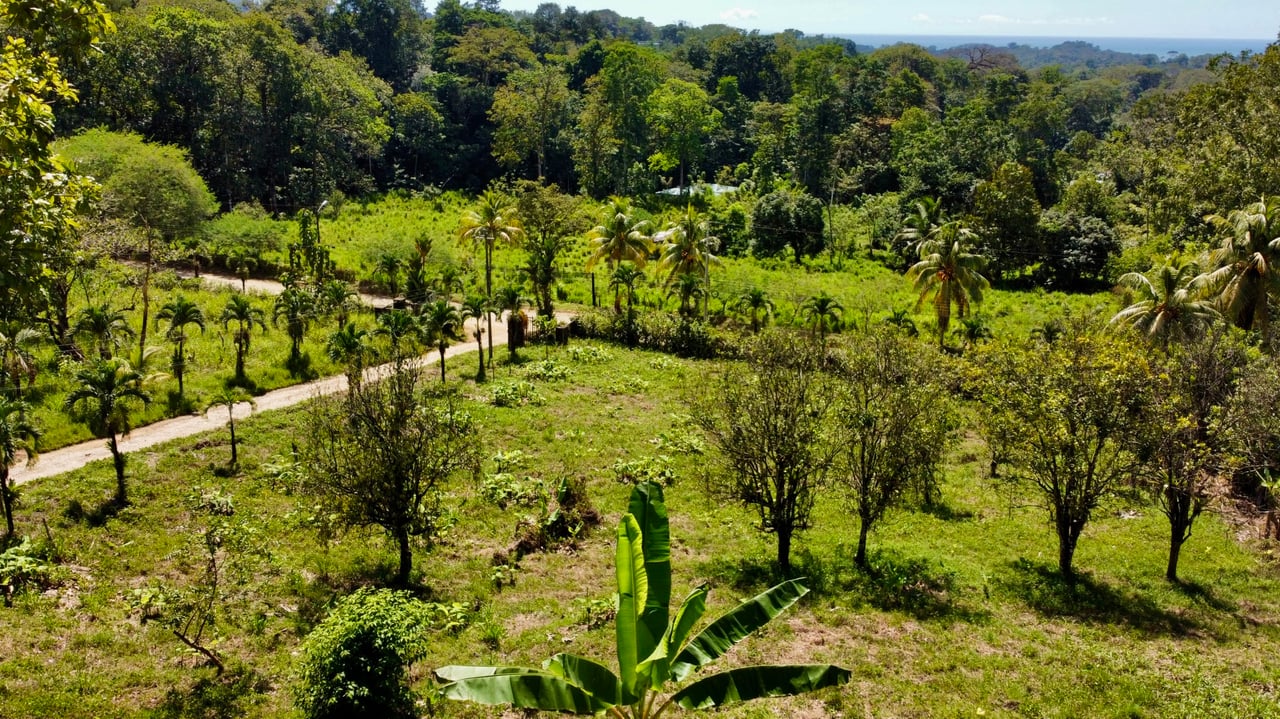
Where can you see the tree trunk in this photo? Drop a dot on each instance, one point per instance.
(231, 420)
(406, 557)
(784, 552)
(117, 459)
(442, 380)
(488, 319)
(480, 344)
(1176, 538)
(1066, 551)
(5, 501)
(860, 559)
(488, 289)
(146, 304)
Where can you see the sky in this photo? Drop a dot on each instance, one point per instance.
(1235, 19)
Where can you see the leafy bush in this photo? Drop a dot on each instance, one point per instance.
(646, 469)
(515, 394)
(354, 662)
(546, 371)
(589, 354)
(504, 488)
(25, 566)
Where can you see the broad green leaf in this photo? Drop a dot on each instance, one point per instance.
(691, 610)
(531, 690)
(650, 510)
(457, 672)
(595, 678)
(632, 593)
(735, 626)
(747, 683)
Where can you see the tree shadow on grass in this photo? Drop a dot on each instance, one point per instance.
(96, 516)
(945, 512)
(231, 694)
(1203, 594)
(918, 587)
(1082, 597)
(315, 595)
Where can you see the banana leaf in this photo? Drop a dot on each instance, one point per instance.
(528, 689)
(735, 626)
(594, 678)
(747, 683)
(632, 595)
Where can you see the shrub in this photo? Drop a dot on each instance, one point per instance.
(589, 354)
(515, 394)
(354, 662)
(546, 371)
(24, 566)
(646, 469)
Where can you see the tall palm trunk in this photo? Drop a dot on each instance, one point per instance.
(442, 348)
(117, 459)
(480, 344)
(6, 502)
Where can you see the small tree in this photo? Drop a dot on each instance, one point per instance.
(180, 313)
(477, 308)
(894, 425)
(1183, 448)
(106, 327)
(398, 326)
(1067, 417)
(381, 454)
(769, 419)
(823, 313)
(245, 315)
(17, 434)
(105, 395)
(229, 398)
(295, 308)
(350, 347)
(441, 326)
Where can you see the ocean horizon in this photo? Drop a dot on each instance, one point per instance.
(1157, 46)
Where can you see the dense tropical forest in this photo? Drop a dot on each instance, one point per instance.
(404, 361)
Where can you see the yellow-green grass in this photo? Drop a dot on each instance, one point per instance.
(963, 618)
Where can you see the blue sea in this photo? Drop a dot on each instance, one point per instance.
(1159, 46)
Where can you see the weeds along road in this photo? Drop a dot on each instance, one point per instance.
(76, 456)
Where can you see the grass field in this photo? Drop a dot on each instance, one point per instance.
(213, 353)
(962, 617)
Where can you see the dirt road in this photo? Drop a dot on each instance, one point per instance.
(78, 455)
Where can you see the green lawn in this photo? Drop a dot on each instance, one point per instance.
(206, 375)
(963, 618)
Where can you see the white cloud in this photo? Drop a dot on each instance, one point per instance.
(921, 17)
(738, 14)
(1076, 21)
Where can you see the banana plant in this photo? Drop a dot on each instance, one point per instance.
(654, 648)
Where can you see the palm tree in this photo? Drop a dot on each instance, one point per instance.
(625, 277)
(17, 434)
(229, 398)
(689, 288)
(296, 308)
(973, 331)
(242, 260)
(689, 247)
(901, 319)
(477, 308)
(824, 313)
(948, 274)
(339, 299)
(510, 301)
(397, 326)
(103, 399)
(921, 224)
(389, 268)
(181, 314)
(105, 326)
(1050, 331)
(441, 323)
(492, 222)
(619, 238)
(757, 304)
(1245, 281)
(1168, 305)
(450, 280)
(16, 357)
(349, 346)
(243, 312)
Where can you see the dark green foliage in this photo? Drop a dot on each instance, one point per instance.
(354, 662)
(788, 219)
(1077, 248)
